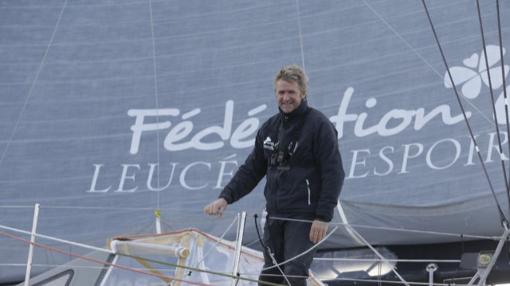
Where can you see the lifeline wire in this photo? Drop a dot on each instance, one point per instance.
(504, 87)
(493, 105)
(393, 268)
(54, 249)
(304, 252)
(275, 263)
(501, 214)
(110, 252)
(277, 218)
(395, 229)
(165, 263)
(267, 250)
(215, 244)
(389, 260)
(390, 281)
(367, 280)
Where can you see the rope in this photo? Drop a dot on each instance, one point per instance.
(290, 276)
(201, 270)
(74, 266)
(58, 239)
(504, 87)
(274, 275)
(332, 223)
(493, 105)
(391, 281)
(267, 250)
(501, 214)
(397, 229)
(215, 244)
(98, 261)
(304, 252)
(275, 263)
(76, 208)
(362, 280)
(125, 255)
(379, 255)
(48, 265)
(389, 260)
(276, 218)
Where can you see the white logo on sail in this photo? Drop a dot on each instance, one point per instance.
(474, 72)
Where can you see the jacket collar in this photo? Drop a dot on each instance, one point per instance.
(301, 110)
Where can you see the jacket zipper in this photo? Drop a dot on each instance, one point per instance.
(308, 189)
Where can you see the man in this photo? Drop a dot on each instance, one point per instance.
(297, 151)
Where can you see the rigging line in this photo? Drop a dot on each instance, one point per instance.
(168, 225)
(53, 266)
(390, 260)
(274, 275)
(275, 263)
(200, 270)
(486, 271)
(504, 88)
(251, 243)
(94, 260)
(493, 105)
(396, 229)
(343, 217)
(113, 208)
(221, 238)
(267, 250)
(390, 281)
(156, 101)
(75, 266)
(501, 214)
(36, 77)
(304, 252)
(131, 256)
(72, 243)
(47, 247)
(78, 207)
(392, 267)
(367, 280)
(390, 27)
(144, 227)
(312, 276)
(401, 38)
(363, 280)
(300, 35)
(16, 207)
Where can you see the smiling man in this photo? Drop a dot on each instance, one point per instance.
(297, 151)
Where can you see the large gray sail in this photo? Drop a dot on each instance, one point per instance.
(113, 109)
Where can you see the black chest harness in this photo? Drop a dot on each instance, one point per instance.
(289, 131)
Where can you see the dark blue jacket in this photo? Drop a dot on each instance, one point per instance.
(306, 179)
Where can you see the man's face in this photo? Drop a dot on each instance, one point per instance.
(288, 95)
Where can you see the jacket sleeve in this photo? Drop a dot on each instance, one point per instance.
(248, 175)
(332, 174)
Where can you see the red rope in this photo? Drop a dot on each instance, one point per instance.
(123, 267)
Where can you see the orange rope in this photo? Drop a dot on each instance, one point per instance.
(123, 267)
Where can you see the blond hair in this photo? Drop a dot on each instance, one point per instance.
(293, 73)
